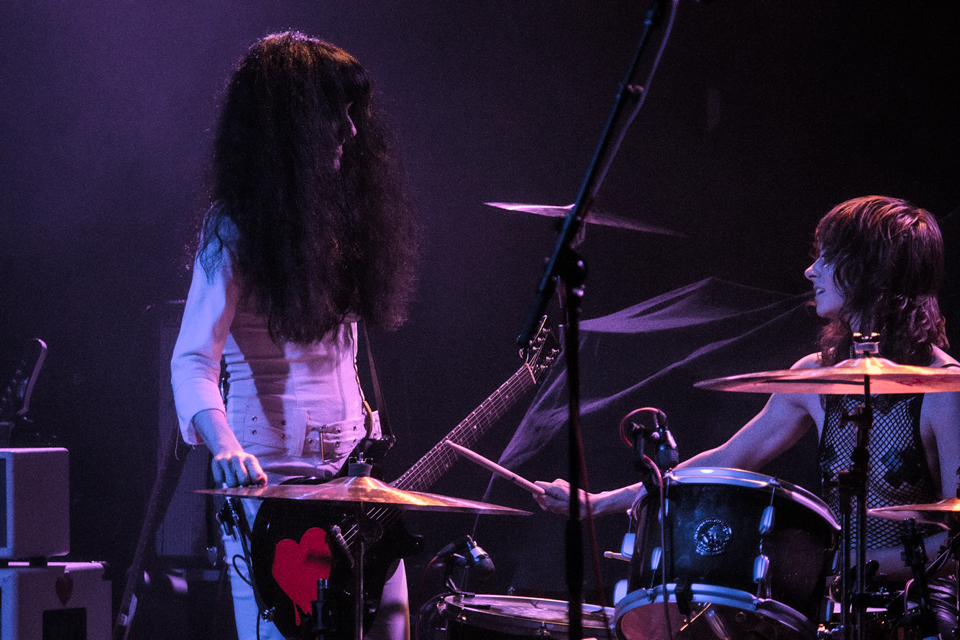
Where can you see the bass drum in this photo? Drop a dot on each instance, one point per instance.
(745, 556)
(480, 617)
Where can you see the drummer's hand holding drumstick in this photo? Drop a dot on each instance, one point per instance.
(556, 498)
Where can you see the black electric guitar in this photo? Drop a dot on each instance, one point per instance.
(296, 544)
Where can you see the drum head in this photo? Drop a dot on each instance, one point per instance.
(518, 617)
(714, 612)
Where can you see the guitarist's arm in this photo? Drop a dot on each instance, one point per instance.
(231, 464)
(195, 370)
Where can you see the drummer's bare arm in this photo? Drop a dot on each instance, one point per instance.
(557, 498)
(231, 465)
(781, 423)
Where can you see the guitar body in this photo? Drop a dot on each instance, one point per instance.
(293, 543)
(292, 547)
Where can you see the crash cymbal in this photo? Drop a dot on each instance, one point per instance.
(845, 377)
(934, 512)
(364, 489)
(593, 217)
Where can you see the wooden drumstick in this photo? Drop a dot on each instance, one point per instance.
(497, 469)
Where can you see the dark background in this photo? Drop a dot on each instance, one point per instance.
(762, 116)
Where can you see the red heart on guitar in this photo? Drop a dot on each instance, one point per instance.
(298, 565)
(64, 588)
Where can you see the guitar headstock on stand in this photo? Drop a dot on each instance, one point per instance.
(15, 399)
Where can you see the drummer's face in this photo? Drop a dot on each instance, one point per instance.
(827, 294)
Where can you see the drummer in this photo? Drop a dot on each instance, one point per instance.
(879, 265)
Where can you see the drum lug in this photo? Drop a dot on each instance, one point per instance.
(716, 624)
(620, 590)
(766, 521)
(760, 568)
(655, 556)
(629, 542)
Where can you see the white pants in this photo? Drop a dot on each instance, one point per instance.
(392, 621)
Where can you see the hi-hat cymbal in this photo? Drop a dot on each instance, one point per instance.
(367, 490)
(593, 217)
(934, 512)
(846, 377)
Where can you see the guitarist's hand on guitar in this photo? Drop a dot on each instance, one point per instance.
(232, 466)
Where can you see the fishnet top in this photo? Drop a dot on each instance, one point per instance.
(898, 472)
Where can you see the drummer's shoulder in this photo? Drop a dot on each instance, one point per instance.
(810, 361)
(942, 359)
(942, 407)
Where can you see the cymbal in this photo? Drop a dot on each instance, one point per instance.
(364, 489)
(593, 216)
(934, 512)
(845, 377)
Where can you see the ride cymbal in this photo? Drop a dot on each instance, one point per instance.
(846, 377)
(593, 217)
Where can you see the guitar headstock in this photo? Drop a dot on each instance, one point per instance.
(543, 350)
(15, 399)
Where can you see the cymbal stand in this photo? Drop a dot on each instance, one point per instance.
(853, 485)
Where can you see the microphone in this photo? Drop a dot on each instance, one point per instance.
(667, 455)
(473, 556)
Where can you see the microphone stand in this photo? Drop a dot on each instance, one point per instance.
(566, 265)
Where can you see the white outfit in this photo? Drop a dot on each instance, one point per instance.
(297, 408)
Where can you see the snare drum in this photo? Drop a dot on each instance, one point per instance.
(745, 556)
(480, 617)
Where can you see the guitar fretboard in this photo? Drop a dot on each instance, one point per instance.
(440, 458)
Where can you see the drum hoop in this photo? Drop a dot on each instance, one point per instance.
(476, 616)
(749, 479)
(710, 594)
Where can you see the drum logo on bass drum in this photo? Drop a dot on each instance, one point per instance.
(712, 537)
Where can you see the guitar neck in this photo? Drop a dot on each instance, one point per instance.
(440, 458)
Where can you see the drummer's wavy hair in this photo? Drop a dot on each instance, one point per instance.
(887, 257)
(313, 244)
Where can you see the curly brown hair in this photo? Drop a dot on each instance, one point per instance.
(314, 243)
(887, 257)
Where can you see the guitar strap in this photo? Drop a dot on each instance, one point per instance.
(377, 394)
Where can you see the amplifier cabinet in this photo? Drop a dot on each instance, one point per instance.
(60, 601)
(34, 503)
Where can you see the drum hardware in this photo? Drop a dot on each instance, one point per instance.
(728, 565)
(915, 557)
(943, 514)
(875, 375)
(651, 475)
